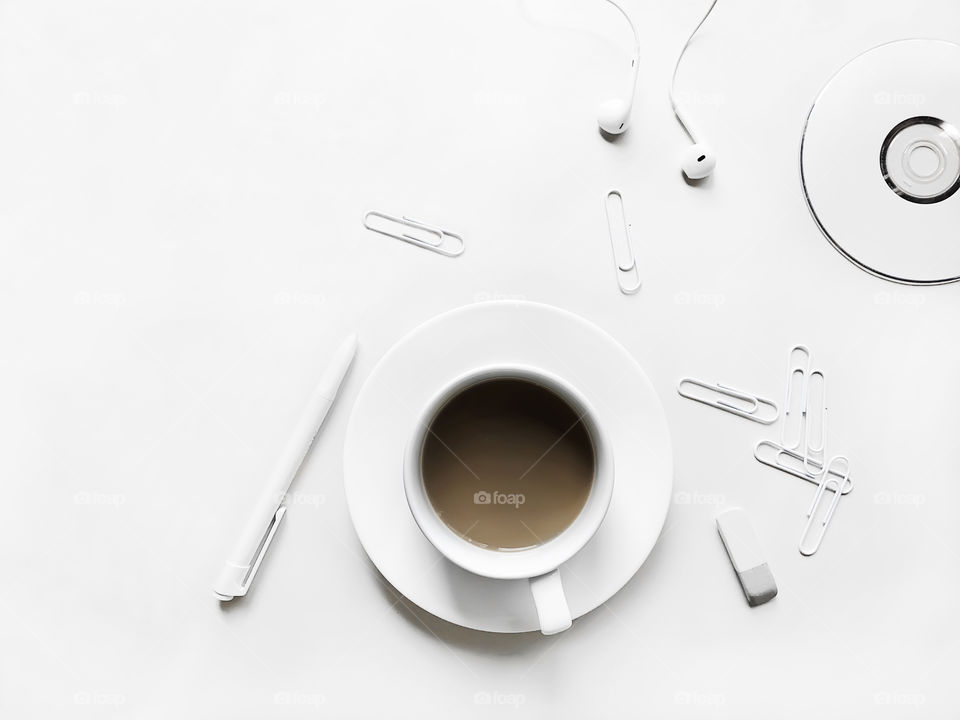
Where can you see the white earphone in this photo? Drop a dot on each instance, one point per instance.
(614, 114)
(698, 160)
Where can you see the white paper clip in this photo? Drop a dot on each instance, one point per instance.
(797, 372)
(793, 463)
(628, 275)
(428, 237)
(815, 425)
(737, 402)
(838, 479)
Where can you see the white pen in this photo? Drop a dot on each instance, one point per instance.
(242, 564)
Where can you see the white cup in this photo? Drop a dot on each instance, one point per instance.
(539, 563)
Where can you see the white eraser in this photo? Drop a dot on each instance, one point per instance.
(743, 547)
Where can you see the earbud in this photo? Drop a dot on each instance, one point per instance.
(698, 161)
(614, 116)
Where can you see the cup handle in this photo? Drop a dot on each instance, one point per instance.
(551, 603)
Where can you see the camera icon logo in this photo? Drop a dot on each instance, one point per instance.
(481, 497)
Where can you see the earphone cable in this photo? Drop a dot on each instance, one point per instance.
(684, 121)
(633, 28)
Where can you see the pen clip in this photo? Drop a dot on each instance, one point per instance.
(262, 550)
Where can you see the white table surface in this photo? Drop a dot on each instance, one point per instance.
(183, 185)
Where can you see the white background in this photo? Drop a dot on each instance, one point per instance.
(182, 189)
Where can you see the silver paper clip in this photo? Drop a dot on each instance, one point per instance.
(795, 371)
(815, 426)
(829, 476)
(793, 463)
(430, 237)
(751, 407)
(628, 275)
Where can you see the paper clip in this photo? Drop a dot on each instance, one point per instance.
(751, 407)
(628, 275)
(793, 463)
(829, 476)
(815, 427)
(794, 370)
(431, 237)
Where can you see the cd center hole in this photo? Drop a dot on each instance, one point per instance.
(924, 161)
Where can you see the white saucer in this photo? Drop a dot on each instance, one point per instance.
(416, 368)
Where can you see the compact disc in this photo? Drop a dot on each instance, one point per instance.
(880, 161)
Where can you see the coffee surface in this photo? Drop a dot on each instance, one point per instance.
(507, 464)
